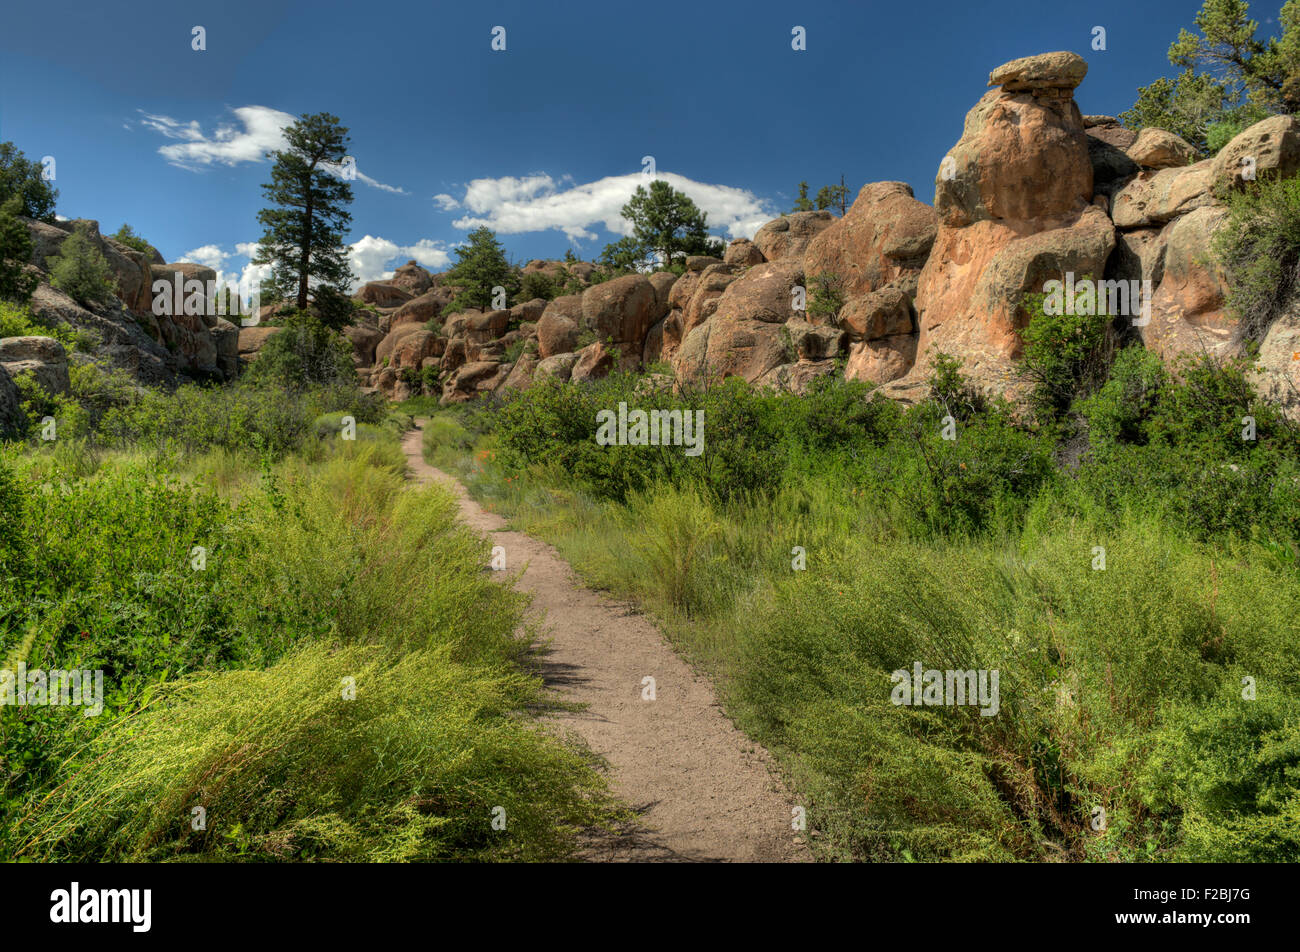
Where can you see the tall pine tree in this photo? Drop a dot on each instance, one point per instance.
(303, 241)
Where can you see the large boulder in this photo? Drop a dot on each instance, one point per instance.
(1153, 198)
(382, 294)
(558, 366)
(1156, 149)
(621, 310)
(253, 339)
(594, 361)
(886, 234)
(364, 340)
(559, 327)
(1058, 71)
(788, 236)
(131, 341)
(411, 277)
(1023, 153)
(746, 335)
(1188, 312)
(131, 268)
(422, 309)
(881, 360)
(1271, 146)
(743, 252)
(1277, 371)
(969, 302)
(883, 313)
(42, 357)
(521, 374)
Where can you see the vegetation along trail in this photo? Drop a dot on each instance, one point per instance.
(703, 790)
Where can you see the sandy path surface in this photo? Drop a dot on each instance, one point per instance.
(704, 791)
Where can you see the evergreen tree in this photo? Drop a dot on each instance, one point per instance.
(802, 204)
(1230, 79)
(668, 225)
(481, 266)
(303, 241)
(22, 177)
(80, 271)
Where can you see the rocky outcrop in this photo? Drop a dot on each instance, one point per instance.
(1188, 313)
(1156, 149)
(1013, 199)
(42, 357)
(621, 310)
(886, 235)
(746, 335)
(789, 235)
(1270, 147)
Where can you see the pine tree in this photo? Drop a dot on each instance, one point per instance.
(667, 224)
(481, 266)
(802, 204)
(303, 241)
(22, 177)
(80, 271)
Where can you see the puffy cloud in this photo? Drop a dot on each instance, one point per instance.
(371, 257)
(511, 205)
(260, 129)
(210, 255)
(445, 202)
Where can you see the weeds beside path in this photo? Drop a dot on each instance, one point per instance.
(704, 791)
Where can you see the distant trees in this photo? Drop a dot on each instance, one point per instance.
(481, 266)
(303, 240)
(1230, 79)
(21, 177)
(834, 197)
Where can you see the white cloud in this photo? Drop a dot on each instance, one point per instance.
(370, 257)
(209, 255)
(260, 130)
(536, 202)
(445, 202)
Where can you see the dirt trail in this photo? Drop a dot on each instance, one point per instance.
(703, 789)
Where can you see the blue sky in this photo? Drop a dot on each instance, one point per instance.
(542, 141)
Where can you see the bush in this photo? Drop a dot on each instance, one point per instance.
(1066, 355)
(80, 271)
(305, 354)
(225, 687)
(1259, 248)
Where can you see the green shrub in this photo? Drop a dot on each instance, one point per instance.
(1066, 356)
(80, 271)
(306, 353)
(1259, 248)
